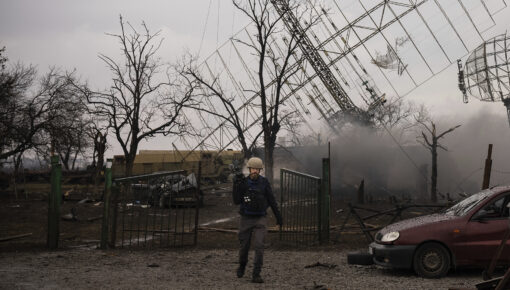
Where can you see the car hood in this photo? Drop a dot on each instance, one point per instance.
(417, 221)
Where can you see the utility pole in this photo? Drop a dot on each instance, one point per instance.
(487, 170)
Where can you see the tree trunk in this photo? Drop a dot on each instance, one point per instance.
(17, 162)
(268, 156)
(74, 159)
(433, 176)
(65, 159)
(97, 163)
(97, 174)
(246, 154)
(130, 161)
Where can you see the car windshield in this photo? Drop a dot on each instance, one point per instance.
(465, 205)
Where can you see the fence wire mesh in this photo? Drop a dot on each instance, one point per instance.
(300, 204)
(156, 210)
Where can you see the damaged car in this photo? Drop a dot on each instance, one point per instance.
(170, 191)
(182, 192)
(466, 234)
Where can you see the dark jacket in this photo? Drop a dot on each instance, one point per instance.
(243, 184)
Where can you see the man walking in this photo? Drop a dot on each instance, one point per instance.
(254, 195)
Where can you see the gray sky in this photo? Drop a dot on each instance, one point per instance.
(70, 34)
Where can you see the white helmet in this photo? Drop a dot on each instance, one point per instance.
(255, 162)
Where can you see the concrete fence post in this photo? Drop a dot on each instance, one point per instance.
(54, 200)
(106, 200)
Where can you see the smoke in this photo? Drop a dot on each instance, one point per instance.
(469, 150)
(402, 168)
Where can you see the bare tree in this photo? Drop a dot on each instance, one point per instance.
(138, 103)
(267, 25)
(398, 112)
(3, 58)
(70, 141)
(95, 131)
(431, 142)
(29, 109)
(211, 91)
(66, 131)
(293, 125)
(98, 132)
(20, 119)
(59, 118)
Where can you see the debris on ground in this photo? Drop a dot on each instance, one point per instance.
(91, 219)
(15, 237)
(85, 200)
(209, 229)
(319, 264)
(70, 216)
(318, 286)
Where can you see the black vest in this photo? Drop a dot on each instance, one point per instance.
(253, 199)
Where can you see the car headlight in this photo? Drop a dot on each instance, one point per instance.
(390, 237)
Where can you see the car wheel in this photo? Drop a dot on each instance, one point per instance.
(431, 260)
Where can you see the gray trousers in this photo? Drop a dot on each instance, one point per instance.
(256, 226)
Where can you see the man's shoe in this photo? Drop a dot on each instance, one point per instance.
(257, 279)
(240, 271)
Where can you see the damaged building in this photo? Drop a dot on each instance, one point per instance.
(215, 164)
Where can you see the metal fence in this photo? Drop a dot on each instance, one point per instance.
(155, 210)
(301, 207)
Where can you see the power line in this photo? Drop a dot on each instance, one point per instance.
(218, 25)
(231, 33)
(467, 177)
(501, 172)
(205, 27)
(405, 153)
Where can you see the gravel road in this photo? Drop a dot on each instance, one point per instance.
(204, 269)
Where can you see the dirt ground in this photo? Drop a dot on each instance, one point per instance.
(203, 269)
(78, 264)
(29, 216)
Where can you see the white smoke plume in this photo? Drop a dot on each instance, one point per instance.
(403, 169)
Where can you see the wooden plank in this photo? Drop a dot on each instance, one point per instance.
(14, 237)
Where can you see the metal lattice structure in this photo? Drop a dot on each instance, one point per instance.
(364, 51)
(486, 73)
(312, 55)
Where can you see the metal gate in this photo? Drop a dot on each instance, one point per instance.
(156, 210)
(301, 204)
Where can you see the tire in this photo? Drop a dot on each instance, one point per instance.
(359, 258)
(431, 260)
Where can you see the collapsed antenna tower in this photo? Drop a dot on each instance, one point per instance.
(341, 66)
(319, 65)
(486, 73)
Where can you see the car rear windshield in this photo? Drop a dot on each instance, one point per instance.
(465, 205)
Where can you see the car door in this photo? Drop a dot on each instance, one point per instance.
(478, 241)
